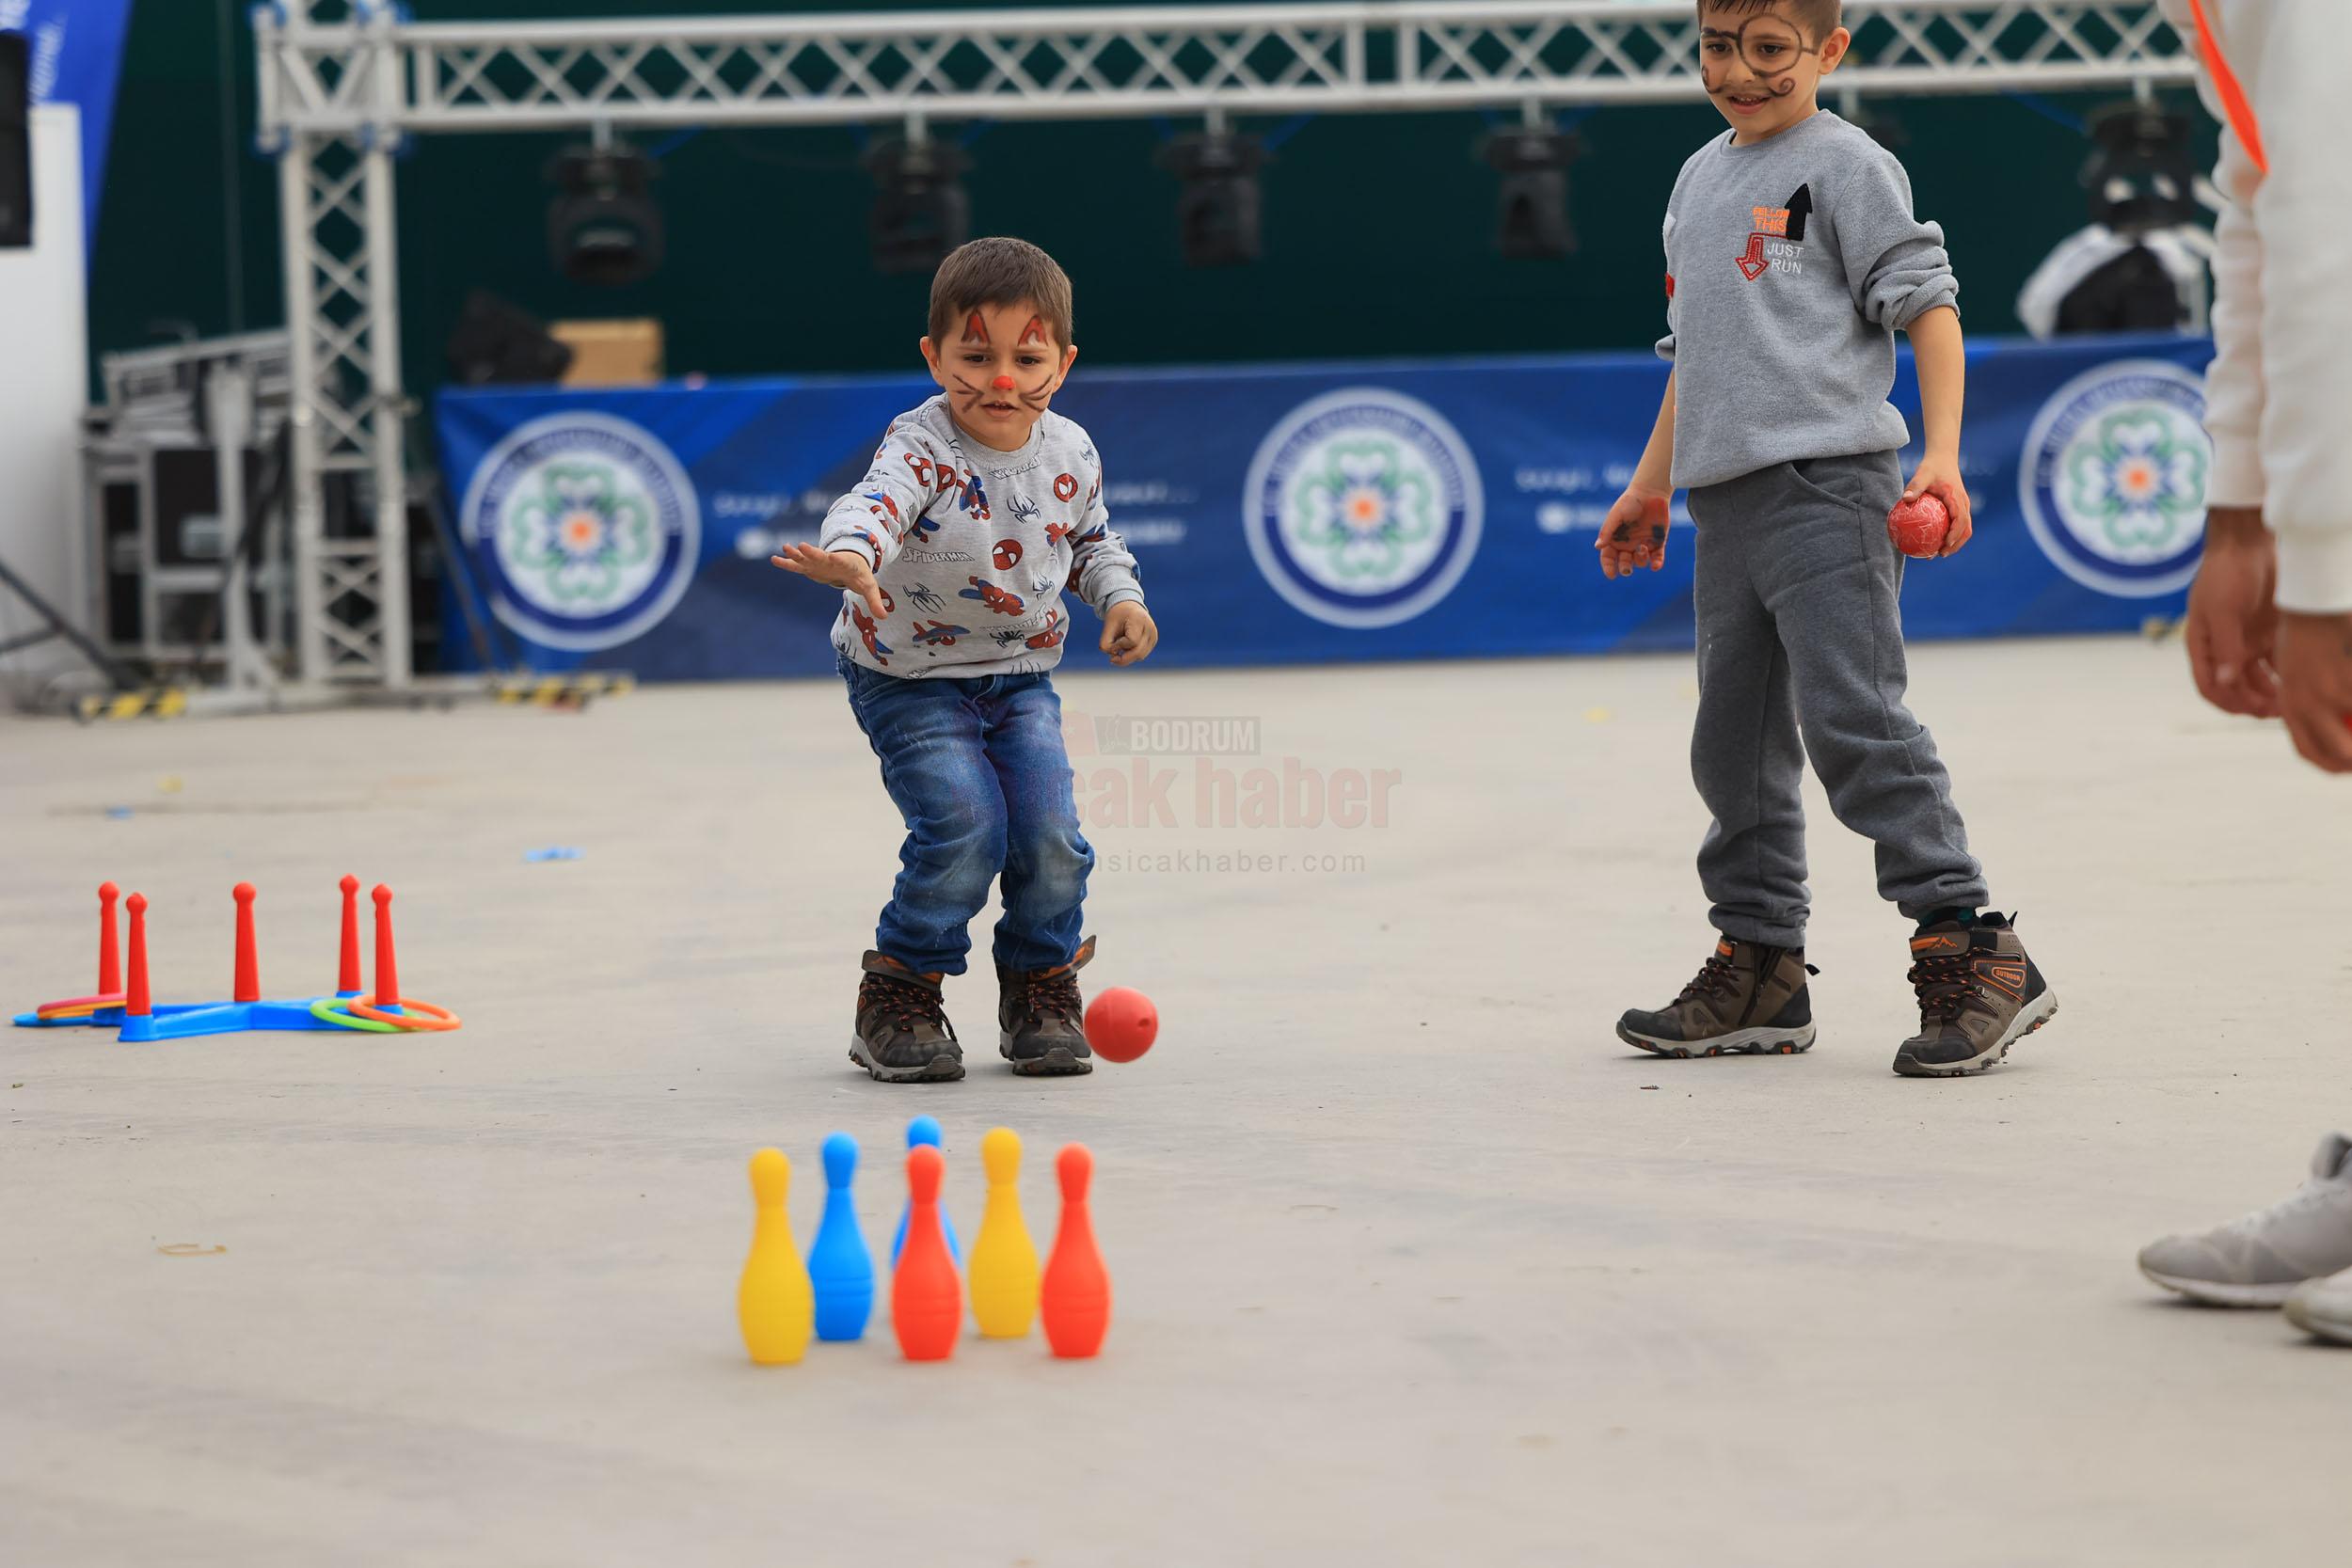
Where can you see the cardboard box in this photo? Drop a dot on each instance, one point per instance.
(610, 353)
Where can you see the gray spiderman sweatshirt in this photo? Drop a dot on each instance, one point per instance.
(972, 549)
(1790, 265)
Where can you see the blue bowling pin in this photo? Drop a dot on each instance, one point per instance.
(925, 1129)
(840, 1270)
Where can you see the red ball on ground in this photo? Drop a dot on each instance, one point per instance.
(1918, 525)
(1121, 1024)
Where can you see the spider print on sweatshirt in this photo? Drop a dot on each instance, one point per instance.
(1044, 531)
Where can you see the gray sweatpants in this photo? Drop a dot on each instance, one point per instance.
(1800, 635)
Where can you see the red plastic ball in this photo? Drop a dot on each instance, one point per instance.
(1121, 1024)
(1918, 525)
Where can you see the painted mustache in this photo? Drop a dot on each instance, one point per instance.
(1778, 88)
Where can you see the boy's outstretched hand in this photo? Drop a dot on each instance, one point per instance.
(1634, 536)
(834, 569)
(1938, 474)
(1129, 634)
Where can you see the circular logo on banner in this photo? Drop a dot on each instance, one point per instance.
(2112, 479)
(586, 527)
(1363, 508)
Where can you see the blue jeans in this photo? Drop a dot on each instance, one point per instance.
(977, 770)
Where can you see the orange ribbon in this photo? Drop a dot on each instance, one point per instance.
(2234, 100)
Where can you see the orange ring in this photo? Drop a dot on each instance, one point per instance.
(436, 1018)
(77, 1007)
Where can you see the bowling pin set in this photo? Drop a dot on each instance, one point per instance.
(784, 1300)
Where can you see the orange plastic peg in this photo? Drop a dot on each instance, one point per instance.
(926, 1299)
(387, 970)
(1076, 1300)
(109, 955)
(347, 969)
(248, 986)
(139, 1003)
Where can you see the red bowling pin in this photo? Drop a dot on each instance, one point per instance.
(1075, 1298)
(926, 1300)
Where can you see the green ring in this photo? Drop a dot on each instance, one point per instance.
(323, 1010)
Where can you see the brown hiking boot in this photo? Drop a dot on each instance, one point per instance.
(1747, 998)
(1041, 1017)
(1979, 995)
(903, 1036)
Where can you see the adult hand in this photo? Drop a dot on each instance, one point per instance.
(2232, 616)
(2315, 688)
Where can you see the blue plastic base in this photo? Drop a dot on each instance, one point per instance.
(175, 1021)
(230, 1018)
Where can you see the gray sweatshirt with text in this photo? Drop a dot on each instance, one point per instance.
(972, 549)
(1789, 266)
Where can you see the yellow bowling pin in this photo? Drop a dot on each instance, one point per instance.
(1004, 1271)
(773, 1303)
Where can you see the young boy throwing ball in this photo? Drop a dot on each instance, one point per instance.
(1792, 258)
(951, 556)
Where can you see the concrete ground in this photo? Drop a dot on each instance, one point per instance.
(1414, 1262)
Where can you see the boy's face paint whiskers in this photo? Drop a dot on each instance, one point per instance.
(1002, 372)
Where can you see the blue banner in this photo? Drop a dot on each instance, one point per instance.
(76, 49)
(1295, 514)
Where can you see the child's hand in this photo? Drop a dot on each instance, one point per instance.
(1634, 536)
(1128, 632)
(1938, 474)
(2315, 687)
(2234, 614)
(834, 569)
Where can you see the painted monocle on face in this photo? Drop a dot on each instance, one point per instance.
(1767, 45)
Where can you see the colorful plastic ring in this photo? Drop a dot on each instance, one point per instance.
(77, 1007)
(434, 1019)
(326, 1010)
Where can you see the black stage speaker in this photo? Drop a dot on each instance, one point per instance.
(16, 143)
(495, 345)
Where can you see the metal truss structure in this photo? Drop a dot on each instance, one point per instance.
(341, 82)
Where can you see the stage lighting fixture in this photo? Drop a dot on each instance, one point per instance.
(1532, 223)
(2142, 175)
(1220, 210)
(603, 226)
(921, 211)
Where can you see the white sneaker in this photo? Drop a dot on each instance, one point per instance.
(2323, 1307)
(2260, 1259)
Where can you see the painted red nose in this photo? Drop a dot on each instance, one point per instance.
(1003, 384)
